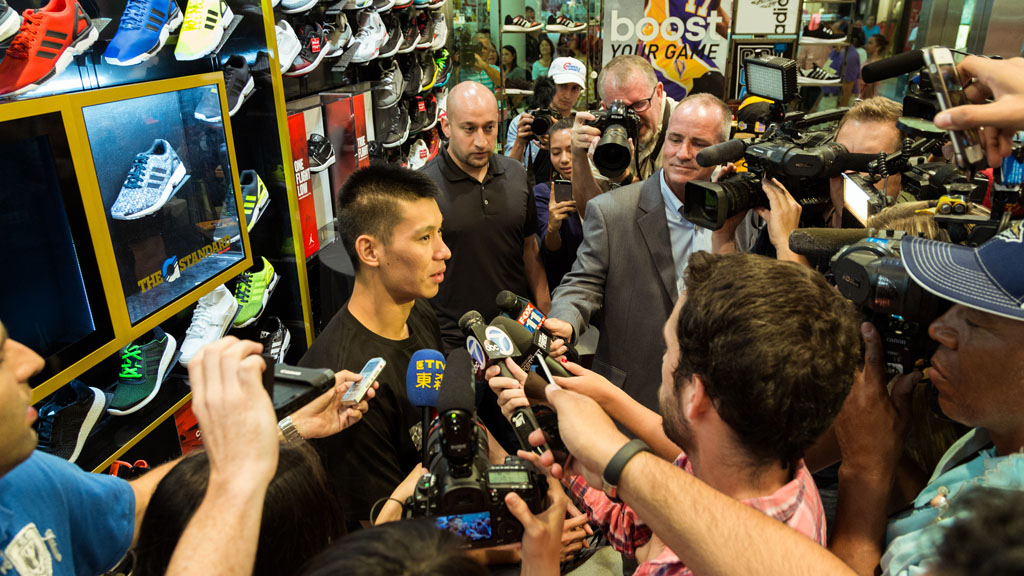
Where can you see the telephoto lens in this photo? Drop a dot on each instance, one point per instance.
(710, 204)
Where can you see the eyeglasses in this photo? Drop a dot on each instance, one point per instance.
(642, 105)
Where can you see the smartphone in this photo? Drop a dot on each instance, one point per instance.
(563, 190)
(357, 391)
(949, 91)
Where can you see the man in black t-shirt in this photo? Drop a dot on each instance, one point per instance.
(391, 228)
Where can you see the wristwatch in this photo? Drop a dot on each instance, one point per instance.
(613, 471)
(288, 430)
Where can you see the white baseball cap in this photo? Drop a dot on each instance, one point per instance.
(564, 70)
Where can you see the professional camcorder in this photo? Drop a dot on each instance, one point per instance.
(801, 159)
(462, 491)
(618, 123)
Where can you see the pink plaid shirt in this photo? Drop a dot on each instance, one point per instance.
(797, 503)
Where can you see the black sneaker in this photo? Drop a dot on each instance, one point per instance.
(418, 117)
(378, 155)
(816, 76)
(388, 91)
(520, 24)
(429, 70)
(412, 73)
(314, 49)
(395, 38)
(68, 417)
(238, 82)
(398, 127)
(821, 36)
(145, 364)
(383, 5)
(410, 35)
(426, 26)
(321, 153)
(275, 338)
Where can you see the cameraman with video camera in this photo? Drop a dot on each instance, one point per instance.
(527, 138)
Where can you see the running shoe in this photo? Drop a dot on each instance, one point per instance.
(429, 72)
(388, 91)
(144, 366)
(254, 197)
(47, 41)
(520, 24)
(253, 290)
(339, 36)
(401, 4)
(418, 154)
(816, 76)
(211, 320)
(443, 66)
(383, 5)
(426, 26)
(821, 36)
(412, 73)
(10, 21)
(562, 24)
(288, 45)
(205, 21)
(239, 85)
(390, 47)
(321, 153)
(440, 31)
(418, 115)
(152, 179)
(297, 6)
(314, 49)
(393, 128)
(67, 419)
(371, 36)
(410, 35)
(144, 28)
(275, 338)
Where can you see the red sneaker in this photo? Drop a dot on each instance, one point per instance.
(47, 42)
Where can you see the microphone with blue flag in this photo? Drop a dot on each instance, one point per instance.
(423, 380)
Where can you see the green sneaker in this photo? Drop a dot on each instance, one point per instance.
(252, 291)
(144, 365)
(254, 197)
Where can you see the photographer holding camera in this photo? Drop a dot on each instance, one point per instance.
(527, 138)
(629, 80)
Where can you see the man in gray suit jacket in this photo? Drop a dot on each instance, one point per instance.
(634, 252)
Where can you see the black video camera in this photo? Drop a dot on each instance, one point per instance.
(618, 123)
(871, 274)
(462, 491)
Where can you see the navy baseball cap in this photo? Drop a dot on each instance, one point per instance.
(989, 278)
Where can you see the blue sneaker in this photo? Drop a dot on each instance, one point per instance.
(152, 178)
(68, 417)
(143, 31)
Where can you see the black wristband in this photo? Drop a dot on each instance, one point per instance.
(613, 471)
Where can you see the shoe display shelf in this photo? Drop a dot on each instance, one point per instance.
(125, 169)
(814, 47)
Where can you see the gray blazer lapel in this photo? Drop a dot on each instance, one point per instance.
(654, 228)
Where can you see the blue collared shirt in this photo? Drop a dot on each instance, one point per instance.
(686, 238)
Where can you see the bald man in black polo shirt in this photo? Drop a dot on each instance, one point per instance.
(489, 216)
(489, 224)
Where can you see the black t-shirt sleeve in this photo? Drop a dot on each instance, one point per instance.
(531, 225)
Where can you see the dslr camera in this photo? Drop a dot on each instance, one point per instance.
(618, 123)
(543, 120)
(462, 491)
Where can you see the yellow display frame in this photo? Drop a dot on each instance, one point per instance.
(70, 107)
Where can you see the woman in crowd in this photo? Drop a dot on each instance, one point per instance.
(509, 64)
(547, 53)
(875, 49)
(559, 226)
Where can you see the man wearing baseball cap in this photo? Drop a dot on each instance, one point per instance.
(569, 76)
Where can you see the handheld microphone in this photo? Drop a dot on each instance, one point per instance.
(455, 402)
(824, 241)
(423, 380)
(893, 66)
(487, 345)
(728, 151)
(532, 345)
(528, 316)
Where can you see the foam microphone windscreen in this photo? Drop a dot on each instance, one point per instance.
(457, 391)
(728, 151)
(893, 66)
(508, 302)
(423, 377)
(824, 241)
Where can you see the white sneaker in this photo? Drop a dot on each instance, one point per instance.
(288, 45)
(371, 36)
(210, 321)
(440, 31)
(418, 154)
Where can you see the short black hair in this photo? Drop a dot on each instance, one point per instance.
(301, 516)
(543, 92)
(988, 538)
(406, 547)
(368, 202)
(775, 346)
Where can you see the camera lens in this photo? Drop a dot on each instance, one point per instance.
(541, 124)
(612, 153)
(710, 204)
